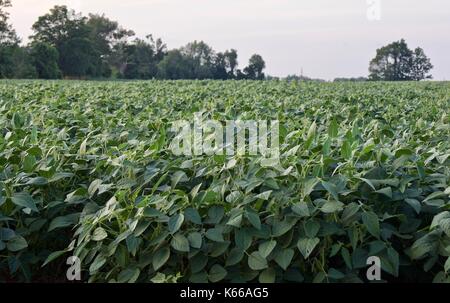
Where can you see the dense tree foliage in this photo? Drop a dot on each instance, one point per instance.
(8, 42)
(45, 60)
(396, 62)
(67, 44)
(255, 68)
(7, 33)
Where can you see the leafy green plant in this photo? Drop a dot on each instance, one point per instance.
(86, 170)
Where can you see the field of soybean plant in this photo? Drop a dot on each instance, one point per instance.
(86, 171)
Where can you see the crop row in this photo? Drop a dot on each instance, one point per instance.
(86, 170)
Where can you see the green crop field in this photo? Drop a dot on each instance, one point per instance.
(86, 171)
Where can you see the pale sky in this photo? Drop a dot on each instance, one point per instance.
(325, 38)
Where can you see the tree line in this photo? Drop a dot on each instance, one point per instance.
(66, 44)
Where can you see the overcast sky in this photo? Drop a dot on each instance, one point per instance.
(325, 38)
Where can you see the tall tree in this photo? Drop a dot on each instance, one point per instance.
(105, 35)
(9, 42)
(142, 58)
(421, 66)
(23, 65)
(396, 62)
(69, 33)
(58, 26)
(159, 48)
(220, 67)
(255, 68)
(201, 58)
(231, 62)
(8, 35)
(78, 57)
(140, 63)
(45, 60)
(175, 66)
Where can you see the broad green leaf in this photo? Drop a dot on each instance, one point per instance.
(99, 234)
(214, 234)
(195, 239)
(129, 275)
(369, 182)
(333, 129)
(215, 214)
(235, 221)
(301, 209)
(180, 243)
(335, 274)
(198, 263)
(264, 195)
(306, 246)
(346, 150)
(425, 245)
(447, 265)
(311, 135)
(349, 212)
(326, 149)
(64, 221)
(243, 239)
(25, 200)
(6, 234)
(179, 176)
(38, 181)
(93, 187)
(266, 248)
(54, 256)
(159, 278)
(414, 204)
(387, 191)
(443, 221)
(331, 207)
(193, 216)
(284, 258)
(335, 249)
(371, 221)
(309, 185)
(253, 218)
(394, 259)
(28, 163)
(320, 277)
(438, 218)
(133, 244)
(175, 223)
(195, 190)
(331, 188)
(235, 256)
(346, 256)
(160, 258)
(281, 227)
(435, 195)
(233, 197)
(267, 276)
(256, 261)
(217, 273)
(98, 263)
(16, 244)
(82, 150)
(312, 228)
